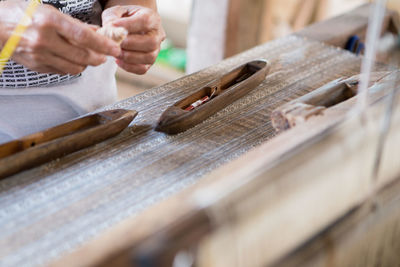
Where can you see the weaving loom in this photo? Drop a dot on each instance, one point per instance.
(54, 209)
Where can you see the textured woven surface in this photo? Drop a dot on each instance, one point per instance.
(54, 208)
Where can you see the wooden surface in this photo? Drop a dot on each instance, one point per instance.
(232, 26)
(366, 236)
(243, 25)
(220, 29)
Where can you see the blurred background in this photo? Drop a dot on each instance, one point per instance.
(203, 32)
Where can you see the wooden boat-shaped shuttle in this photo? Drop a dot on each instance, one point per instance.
(332, 95)
(41, 147)
(213, 97)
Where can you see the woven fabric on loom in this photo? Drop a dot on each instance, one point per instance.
(52, 209)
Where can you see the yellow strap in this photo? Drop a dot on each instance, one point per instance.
(16, 35)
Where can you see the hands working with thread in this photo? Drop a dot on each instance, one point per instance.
(58, 43)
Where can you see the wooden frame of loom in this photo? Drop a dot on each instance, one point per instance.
(308, 197)
(287, 183)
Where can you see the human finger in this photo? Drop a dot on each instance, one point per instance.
(143, 20)
(114, 13)
(63, 65)
(75, 54)
(133, 68)
(82, 35)
(93, 27)
(142, 42)
(50, 20)
(49, 70)
(134, 57)
(47, 63)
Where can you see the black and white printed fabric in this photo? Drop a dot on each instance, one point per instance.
(17, 76)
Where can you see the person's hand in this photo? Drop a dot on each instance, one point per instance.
(141, 47)
(54, 42)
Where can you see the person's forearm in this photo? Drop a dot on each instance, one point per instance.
(146, 3)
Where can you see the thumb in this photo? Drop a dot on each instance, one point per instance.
(113, 13)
